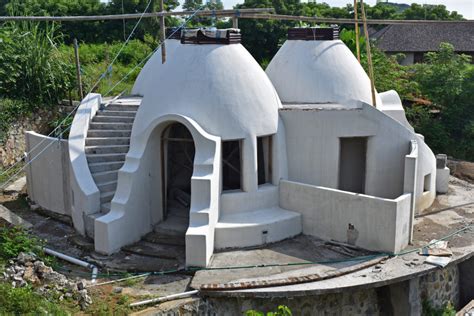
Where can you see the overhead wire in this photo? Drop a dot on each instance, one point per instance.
(108, 69)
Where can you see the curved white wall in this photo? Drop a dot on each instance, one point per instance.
(319, 72)
(221, 87)
(392, 106)
(148, 72)
(312, 140)
(85, 194)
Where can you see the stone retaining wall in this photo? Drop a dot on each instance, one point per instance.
(404, 298)
(12, 147)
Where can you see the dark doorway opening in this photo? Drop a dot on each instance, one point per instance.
(352, 164)
(231, 165)
(178, 160)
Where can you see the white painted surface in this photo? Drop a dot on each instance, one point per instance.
(392, 106)
(47, 175)
(312, 141)
(245, 229)
(410, 181)
(217, 92)
(85, 194)
(442, 180)
(221, 87)
(319, 72)
(148, 72)
(137, 204)
(379, 224)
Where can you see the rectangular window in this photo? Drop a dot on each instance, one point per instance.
(264, 159)
(231, 165)
(427, 183)
(352, 161)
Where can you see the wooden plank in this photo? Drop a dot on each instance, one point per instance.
(218, 13)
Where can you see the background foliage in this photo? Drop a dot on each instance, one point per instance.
(37, 59)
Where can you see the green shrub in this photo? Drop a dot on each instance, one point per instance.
(24, 301)
(282, 310)
(32, 68)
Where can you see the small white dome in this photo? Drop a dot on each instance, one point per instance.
(319, 72)
(221, 87)
(152, 65)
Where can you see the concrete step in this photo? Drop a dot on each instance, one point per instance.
(106, 197)
(117, 113)
(107, 186)
(108, 149)
(107, 176)
(105, 208)
(173, 226)
(108, 133)
(156, 250)
(245, 229)
(114, 119)
(110, 125)
(100, 158)
(89, 223)
(97, 141)
(105, 166)
(156, 238)
(122, 107)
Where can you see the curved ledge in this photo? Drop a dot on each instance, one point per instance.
(85, 194)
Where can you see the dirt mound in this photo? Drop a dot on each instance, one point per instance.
(462, 169)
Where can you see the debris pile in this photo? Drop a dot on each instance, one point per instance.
(28, 269)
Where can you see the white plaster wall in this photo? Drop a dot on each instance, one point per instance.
(85, 195)
(379, 224)
(137, 204)
(319, 72)
(47, 175)
(221, 87)
(392, 106)
(312, 141)
(148, 72)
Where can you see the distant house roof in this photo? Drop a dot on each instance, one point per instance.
(425, 37)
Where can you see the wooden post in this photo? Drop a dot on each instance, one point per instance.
(235, 22)
(162, 34)
(78, 69)
(369, 55)
(356, 14)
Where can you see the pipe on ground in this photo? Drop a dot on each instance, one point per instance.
(74, 261)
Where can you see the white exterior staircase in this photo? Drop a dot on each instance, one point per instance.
(107, 143)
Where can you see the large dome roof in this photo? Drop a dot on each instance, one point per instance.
(152, 65)
(221, 87)
(319, 72)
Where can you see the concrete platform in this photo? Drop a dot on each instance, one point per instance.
(450, 213)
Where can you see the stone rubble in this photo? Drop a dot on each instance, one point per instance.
(28, 269)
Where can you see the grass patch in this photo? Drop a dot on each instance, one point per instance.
(24, 301)
(107, 303)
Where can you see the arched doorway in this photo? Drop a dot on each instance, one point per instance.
(177, 169)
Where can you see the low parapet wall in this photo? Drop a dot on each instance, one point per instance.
(47, 175)
(369, 222)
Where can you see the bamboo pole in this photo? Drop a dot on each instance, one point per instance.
(369, 55)
(357, 30)
(162, 34)
(78, 69)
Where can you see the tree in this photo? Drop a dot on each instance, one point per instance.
(430, 12)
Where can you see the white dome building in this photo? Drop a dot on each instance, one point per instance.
(319, 71)
(211, 110)
(208, 154)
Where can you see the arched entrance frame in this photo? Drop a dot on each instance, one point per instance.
(137, 204)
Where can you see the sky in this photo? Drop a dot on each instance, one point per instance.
(464, 7)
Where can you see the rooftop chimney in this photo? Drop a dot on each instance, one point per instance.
(211, 36)
(313, 33)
